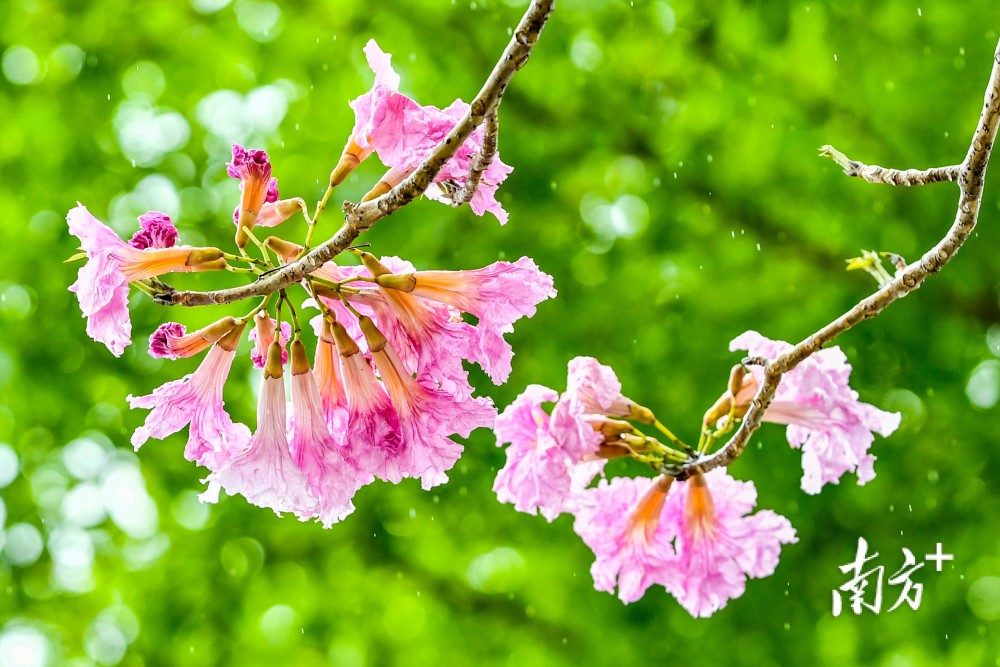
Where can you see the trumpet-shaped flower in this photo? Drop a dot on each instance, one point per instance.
(262, 336)
(253, 168)
(333, 396)
(593, 388)
(498, 295)
(700, 545)
(102, 284)
(170, 340)
(824, 416)
(264, 472)
(331, 478)
(628, 526)
(372, 440)
(196, 399)
(404, 133)
(719, 543)
(427, 415)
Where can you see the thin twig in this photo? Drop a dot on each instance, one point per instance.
(359, 217)
(483, 159)
(971, 176)
(876, 174)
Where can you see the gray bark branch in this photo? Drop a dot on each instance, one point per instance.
(876, 174)
(971, 177)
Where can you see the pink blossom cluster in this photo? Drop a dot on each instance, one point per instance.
(383, 399)
(403, 133)
(697, 538)
(824, 416)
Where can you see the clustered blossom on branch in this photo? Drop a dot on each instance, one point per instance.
(389, 391)
(696, 538)
(402, 133)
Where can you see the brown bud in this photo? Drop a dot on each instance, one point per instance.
(736, 376)
(718, 410)
(612, 429)
(247, 220)
(206, 259)
(380, 189)
(286, 250)
(229, 341)
(272, 368)
(345, 344)
(327, 334)
(217, 330)
(300, 361)
(640, 413)
(404, 282)
(376, 341)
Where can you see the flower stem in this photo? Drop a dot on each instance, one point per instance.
(671, 437)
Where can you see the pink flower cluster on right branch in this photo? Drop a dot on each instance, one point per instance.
(699, 539)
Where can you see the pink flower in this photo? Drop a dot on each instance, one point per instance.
(102, 284)
(427, 415)
(403, 133)
(156, 231)
(545, 470)
(170, 340)
(272, 212)
(264, 472)
(330, 476)
(333, 396)
(823, 414)
(498, 295)
(429, 337)
(628, 526)
(372, 441)
(253, 168)
(378, 114)
(196, 399)
(262, 336)
(720, 543)
(593, 388)
(700, 545)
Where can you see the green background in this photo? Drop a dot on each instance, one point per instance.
(666, 174)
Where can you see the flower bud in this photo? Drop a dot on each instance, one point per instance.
(286, 250)
(206, 259)
(376, 341)
(352, 156)
(300, 361)
(231, 340)
(372, 264)
(345, 344)
(275, 213)
(404, 282)
(272, 368)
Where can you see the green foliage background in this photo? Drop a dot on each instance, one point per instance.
(665, 175)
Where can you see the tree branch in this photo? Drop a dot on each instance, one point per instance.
(876, 174)
(359, 217)
(971, 176)
(483, 159)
